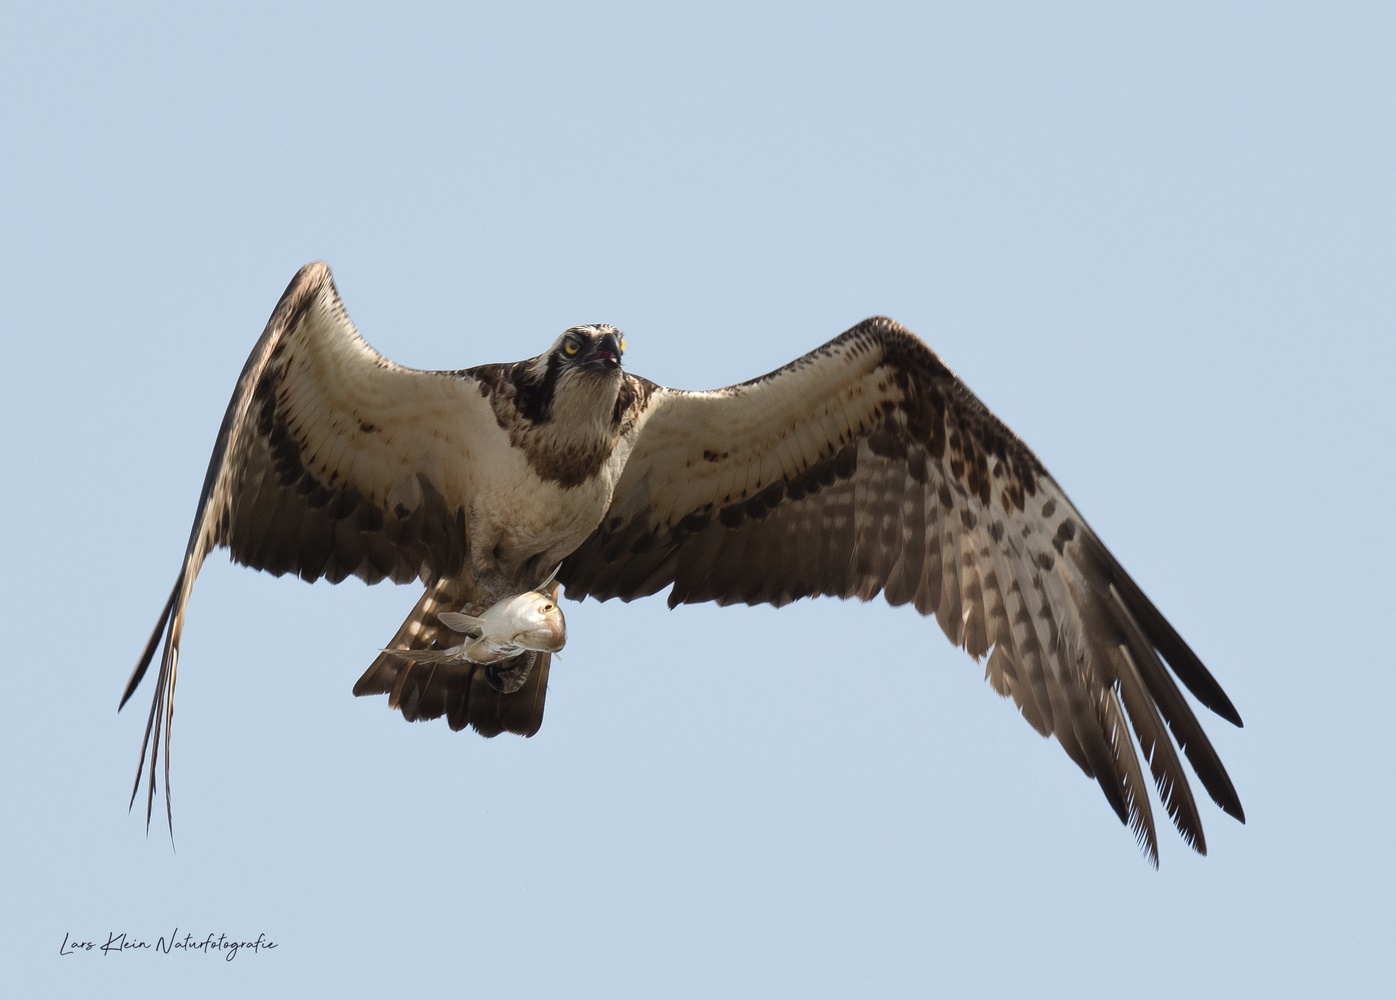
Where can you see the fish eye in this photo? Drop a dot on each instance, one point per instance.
(547, 608)
(571, 346)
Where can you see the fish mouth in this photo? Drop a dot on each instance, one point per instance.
(543, 638)
(551, 642)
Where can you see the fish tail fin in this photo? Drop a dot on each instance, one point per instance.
(423, 655)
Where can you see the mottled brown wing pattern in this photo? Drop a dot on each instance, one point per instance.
(506, 697)
(339, 462)
(867, 467)
(330, 461)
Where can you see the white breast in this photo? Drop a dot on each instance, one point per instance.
(517, 517)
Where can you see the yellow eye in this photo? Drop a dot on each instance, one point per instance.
(570, 347)
(622, 343)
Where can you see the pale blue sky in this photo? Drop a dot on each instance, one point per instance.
(1159, 240)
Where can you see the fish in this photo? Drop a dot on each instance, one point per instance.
(517, 624)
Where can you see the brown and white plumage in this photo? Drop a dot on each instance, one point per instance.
(864, 467)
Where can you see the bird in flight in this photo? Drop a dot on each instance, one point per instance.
(864, 467)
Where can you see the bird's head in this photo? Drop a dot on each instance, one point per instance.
(579, 375)
(589, 351)
(596, 348)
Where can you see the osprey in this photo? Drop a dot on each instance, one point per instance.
(864, 467)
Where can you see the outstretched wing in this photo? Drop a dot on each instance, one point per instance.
(867, 466)
(331, 462)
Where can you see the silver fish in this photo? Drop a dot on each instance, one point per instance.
(527, 621)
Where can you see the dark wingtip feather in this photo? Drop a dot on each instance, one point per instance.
(1234, 808)
(143, 664)
(1187, 666)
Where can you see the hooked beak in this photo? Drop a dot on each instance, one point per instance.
(605, 352)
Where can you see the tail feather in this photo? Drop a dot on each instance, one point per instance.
(504, 697)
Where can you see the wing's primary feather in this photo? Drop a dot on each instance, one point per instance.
(331, 461)
(867, 466)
